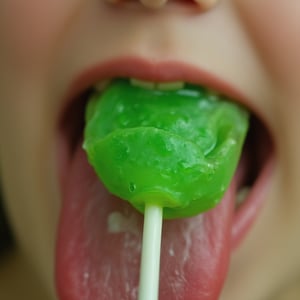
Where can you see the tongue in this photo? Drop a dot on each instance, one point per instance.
(99, 245)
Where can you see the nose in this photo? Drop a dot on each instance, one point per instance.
(203, 4)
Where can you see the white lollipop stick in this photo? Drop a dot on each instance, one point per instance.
(150, 261)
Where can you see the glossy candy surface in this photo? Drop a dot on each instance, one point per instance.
(177, 149)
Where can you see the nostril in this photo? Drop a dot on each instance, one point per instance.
(207, 4)
(154, 3)
(204, 4)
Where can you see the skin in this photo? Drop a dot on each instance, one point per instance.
(44, 44)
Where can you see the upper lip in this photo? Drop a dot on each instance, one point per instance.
(157, 71)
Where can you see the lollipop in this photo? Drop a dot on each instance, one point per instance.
(169, 153)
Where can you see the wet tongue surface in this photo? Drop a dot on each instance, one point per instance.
(99, 245)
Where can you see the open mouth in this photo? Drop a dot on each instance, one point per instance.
(99, 236)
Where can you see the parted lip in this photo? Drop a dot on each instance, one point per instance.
(166, 71)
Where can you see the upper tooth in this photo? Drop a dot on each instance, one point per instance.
(169, 86)
(212, 95)
(162, 86)
(242, 195)
(142, 83)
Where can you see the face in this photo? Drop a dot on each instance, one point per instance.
(52, 51)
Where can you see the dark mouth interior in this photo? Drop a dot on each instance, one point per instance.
(257, 149)
(73, 121)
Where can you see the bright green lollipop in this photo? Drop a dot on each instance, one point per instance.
(170, 154)
(175, 149)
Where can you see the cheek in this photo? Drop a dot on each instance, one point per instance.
(31, 28)
(274, 26)
(274, 29)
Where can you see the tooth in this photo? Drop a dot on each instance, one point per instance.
(162, 86)
(212, 92)
(142, 83)
(101, 85)
(242, 195)
(170, 86)
(213, 95)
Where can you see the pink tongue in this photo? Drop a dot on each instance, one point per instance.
(99, 244)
